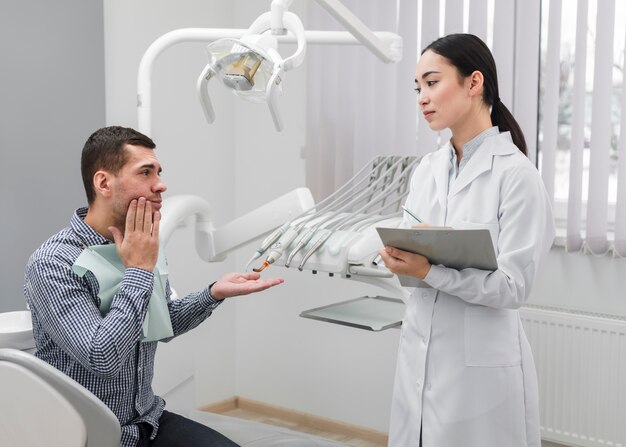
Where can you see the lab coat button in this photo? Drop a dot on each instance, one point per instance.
(424, 340)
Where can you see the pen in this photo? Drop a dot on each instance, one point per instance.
(411, 214)
(378, 258)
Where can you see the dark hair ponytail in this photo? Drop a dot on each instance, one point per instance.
(468, 54)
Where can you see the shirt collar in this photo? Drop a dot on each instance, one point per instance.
(471, 146)
(88, 235)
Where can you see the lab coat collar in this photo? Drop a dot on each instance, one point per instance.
(439, 167)
(480, 162)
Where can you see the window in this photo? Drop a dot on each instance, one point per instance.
(580, 105)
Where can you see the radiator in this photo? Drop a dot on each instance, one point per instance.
(581, 364)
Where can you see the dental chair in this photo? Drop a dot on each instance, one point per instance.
(42, 406)
(39, 405)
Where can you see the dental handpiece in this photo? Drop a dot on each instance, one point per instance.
(278, 247)
(267, 243)
(318, 243)
(301, 243)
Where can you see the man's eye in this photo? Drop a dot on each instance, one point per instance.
(418, 90)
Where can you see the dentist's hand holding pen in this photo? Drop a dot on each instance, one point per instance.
(402, 262)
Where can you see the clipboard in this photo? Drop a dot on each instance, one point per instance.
(457, 249)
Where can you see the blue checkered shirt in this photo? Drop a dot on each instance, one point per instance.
(103, 354)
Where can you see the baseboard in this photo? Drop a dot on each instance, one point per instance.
(232, 403)
(297, 417)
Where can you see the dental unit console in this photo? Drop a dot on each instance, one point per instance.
(337, 235)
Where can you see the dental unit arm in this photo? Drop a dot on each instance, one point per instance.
(212, 244)
(336, 236)
(339, 235)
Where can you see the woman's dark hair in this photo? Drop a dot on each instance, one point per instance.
(105, 149)
(468, 54)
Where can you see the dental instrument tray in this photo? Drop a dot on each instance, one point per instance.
(372, 313)
(453, 248)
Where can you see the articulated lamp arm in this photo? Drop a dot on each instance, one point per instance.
(385, 45)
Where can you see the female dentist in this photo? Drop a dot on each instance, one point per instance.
(465, 374)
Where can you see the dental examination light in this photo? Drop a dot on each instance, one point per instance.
(247, 61)
(252, 66)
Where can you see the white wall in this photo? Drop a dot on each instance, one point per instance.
(333, 371)
(196, 158)
(261, 348)
(257, 346)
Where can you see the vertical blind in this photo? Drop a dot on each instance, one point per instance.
(357, 106)
(514, 46)
(582, 99)
(568, 103)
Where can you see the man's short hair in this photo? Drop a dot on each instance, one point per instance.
(104, 150)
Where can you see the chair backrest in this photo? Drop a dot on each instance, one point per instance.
(33, 413)
(102, 426)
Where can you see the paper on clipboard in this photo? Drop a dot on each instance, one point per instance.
(457, 249)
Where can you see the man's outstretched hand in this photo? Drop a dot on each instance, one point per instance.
(235, 284)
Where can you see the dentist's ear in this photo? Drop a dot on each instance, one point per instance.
(477, 81)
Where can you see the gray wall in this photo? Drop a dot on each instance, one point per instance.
(51, 99)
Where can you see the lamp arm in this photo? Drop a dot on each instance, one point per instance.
(292, 23)
(358, 29)
(278, 9)
(391, 43)
(144, 75)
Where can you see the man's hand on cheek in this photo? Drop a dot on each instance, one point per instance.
(139, 245)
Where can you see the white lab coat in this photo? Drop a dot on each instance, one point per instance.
(465, 372)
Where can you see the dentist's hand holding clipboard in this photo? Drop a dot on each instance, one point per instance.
(402, 262)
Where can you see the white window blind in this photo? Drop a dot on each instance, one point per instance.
(581, 103)
(510, 28)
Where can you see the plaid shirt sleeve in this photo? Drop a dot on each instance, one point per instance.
(188, 312)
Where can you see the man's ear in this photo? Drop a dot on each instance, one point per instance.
(476, 83)
(102, 183)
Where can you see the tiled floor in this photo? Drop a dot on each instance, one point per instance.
(253, 416)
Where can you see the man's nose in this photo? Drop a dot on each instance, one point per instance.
(160, 187)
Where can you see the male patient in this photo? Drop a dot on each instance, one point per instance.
(100, 298)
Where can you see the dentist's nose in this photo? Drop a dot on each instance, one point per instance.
(423, 99)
